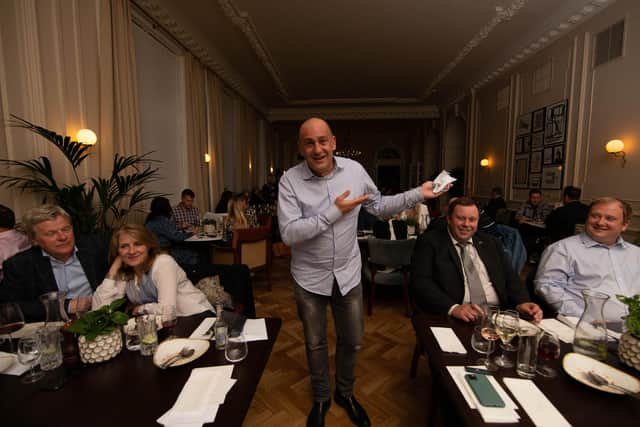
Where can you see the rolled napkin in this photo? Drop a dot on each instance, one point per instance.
(535, 403)
(448, 340)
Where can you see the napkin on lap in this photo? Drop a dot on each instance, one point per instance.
(448, 340)
(535, 403)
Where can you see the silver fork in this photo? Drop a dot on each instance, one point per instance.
(599, 380)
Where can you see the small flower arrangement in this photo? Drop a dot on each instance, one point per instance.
(633, 319)
(102, 321)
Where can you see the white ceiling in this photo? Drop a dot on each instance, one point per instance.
(292, 53)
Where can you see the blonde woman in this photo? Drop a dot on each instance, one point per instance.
(420, 214)
(148, 277)
(239, 215)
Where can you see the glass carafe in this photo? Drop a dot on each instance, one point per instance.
(58, 320)
(591, 331)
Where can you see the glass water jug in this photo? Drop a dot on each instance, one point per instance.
(591, 331)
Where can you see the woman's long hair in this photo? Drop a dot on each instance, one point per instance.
(160, 207)
(140, 234)
(237, 205)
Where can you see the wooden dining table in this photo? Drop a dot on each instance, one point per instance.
(579, 404)
(130, 390)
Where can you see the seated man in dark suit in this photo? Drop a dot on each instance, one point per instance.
(562, 222)
(55, 262)
(455, 271)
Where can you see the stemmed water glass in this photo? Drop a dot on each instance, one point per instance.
(11, 320)
(482, 341)
(548, 350)
(29, 354)
(507, 324)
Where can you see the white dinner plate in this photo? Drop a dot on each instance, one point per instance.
(577, 365)
(170, 347)
(6, 361)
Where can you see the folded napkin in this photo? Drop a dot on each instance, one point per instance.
(202, 394)
(448, 340)
(507, 414)
(11, 365)
(253, 330)
(573, 322)
(202, 329)
(564, 332)
(535, 403)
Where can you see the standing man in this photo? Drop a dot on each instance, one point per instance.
(318, 205)
(185, 214)
(562, 222)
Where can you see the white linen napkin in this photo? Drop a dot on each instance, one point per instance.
(535, 403)
(507, 414)
(200, 333)
(442, 180)
(448, 340)
(27, 329)
(255, 330)
(15, 368)
(573, 322)
(202, 394)
(564, 332)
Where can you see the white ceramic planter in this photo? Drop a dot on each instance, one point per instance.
(103, 348)
(629, 350)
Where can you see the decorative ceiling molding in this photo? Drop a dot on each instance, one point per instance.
(243, 21)
(502, 15)
(209, 56)
(343, 101)
(568, 24)
(355, 113)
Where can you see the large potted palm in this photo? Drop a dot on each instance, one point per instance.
(96, 205)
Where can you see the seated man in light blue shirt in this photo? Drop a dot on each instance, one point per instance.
(318, 205)
(598, 259)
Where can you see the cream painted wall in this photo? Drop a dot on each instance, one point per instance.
(603, 104)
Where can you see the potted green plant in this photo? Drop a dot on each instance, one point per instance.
(629, 346)
(100, 337)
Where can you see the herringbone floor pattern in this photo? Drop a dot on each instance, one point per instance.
(383, 385)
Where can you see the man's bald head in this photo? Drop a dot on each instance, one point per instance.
(316, 144)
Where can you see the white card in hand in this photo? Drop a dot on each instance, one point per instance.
(442, 180)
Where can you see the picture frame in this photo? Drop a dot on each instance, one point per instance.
(552, 177)
(518, 147)
(536, 162)
(523, 125)
(547, 157)
(526, 143)
(555, 123)
(535, 180)
(558, 154)
(537, 122)
(537, 141)
(521, 171)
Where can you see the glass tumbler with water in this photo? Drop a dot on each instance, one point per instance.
(528, 339)
(235, 349)
(147, 331)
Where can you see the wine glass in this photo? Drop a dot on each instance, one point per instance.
(11, 320)
(548, 350)
(235, 349)
(507, 324)
(482, 341)
(29, 355)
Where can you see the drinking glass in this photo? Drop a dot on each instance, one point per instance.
(482, 341)
(507, 324)
(528, 338)
(11, 320)
(29, 355)
(489, 315)
(146, 326)
(235, 349)
(548, 350)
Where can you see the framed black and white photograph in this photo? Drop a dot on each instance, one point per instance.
(518, 145)
(536, 162)
(535, 180)
(526, 143)
(537, 141)
(523, 125)
(547, 157)
(552, 177)
(537, 124)
(521, 171)
(555, 123)
(558, 154)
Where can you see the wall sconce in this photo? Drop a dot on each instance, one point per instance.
(207, 158)
(615, 147)
(86, 137)
(271, 170)
(484, 163)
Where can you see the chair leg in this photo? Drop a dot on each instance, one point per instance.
(417, 351)
(405, 294)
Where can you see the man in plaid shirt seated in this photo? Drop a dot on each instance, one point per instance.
(185, 215)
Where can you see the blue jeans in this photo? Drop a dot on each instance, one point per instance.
(349, 322)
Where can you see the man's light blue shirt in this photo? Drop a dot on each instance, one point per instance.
(70, 276)
(579, 262)
(323, 241)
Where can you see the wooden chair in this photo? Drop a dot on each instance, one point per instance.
(394, 255)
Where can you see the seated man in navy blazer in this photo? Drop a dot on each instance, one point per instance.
(55, 262)
(455, 271)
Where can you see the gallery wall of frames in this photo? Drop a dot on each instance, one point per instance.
(540, 147)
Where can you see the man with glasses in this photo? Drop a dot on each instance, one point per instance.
(55, 262)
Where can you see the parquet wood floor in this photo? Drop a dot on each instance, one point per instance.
(383, 385)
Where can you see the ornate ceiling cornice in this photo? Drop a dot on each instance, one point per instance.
(355, 113)
(209, 55)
